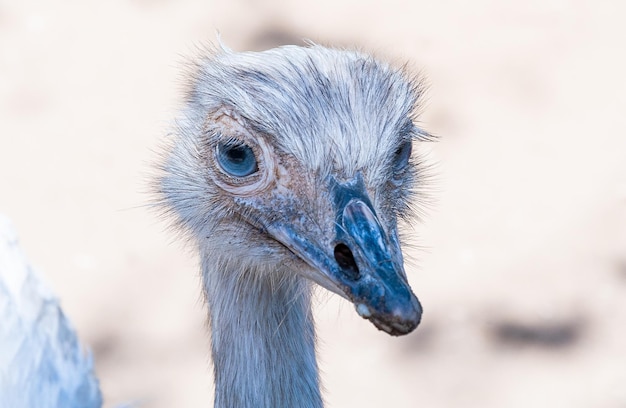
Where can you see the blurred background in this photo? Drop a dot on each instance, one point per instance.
(520, 262)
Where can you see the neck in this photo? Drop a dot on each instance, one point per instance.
(263, 339)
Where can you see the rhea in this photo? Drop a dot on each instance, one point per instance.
(285, 168)
(288, 167)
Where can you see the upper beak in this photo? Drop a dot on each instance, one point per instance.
(362, 261)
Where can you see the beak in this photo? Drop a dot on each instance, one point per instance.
(363, 262)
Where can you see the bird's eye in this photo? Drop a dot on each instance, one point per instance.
(402, 155)
(236, 159)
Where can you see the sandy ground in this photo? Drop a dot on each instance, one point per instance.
(521, 264)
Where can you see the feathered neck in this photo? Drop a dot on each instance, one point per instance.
(263, 338)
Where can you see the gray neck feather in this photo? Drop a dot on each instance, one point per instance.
(263, 338)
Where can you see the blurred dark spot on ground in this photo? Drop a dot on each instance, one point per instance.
(104, 347)
(273, 37)
(545, 334)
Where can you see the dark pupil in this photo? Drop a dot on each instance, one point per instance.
(236, 154)
(236, 159)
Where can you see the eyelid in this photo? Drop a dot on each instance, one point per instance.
(229, 141)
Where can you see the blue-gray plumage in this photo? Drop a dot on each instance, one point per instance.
(42, 364)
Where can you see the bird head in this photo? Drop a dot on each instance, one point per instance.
(298, 160)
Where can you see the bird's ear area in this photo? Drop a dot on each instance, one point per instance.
(240, 160)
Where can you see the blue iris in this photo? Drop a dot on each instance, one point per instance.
(236, 159)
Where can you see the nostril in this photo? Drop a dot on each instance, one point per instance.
(346, 261)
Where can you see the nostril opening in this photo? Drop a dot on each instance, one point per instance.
(346, 261)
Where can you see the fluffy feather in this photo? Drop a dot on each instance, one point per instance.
(42, 363)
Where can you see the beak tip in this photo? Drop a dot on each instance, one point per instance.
(400, 321)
